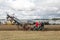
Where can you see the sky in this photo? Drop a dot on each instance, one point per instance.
(30, 9)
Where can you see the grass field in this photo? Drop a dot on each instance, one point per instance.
(51, 32)
(29, 35)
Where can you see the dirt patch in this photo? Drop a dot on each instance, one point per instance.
(52, 27)
(15, 27)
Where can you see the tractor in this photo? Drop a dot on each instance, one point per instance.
(24, 25)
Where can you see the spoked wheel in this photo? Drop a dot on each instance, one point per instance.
(35, 28)
(38, 28)
(41, 28)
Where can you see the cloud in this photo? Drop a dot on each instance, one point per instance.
(20, 4)
(48, 7)
(42, 8)
(1, 1)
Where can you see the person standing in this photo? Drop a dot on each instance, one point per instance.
(41, 26)
(36, 26)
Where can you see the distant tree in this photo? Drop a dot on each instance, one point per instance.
(56, 19)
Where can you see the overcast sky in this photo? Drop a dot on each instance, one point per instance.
(30, 8)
